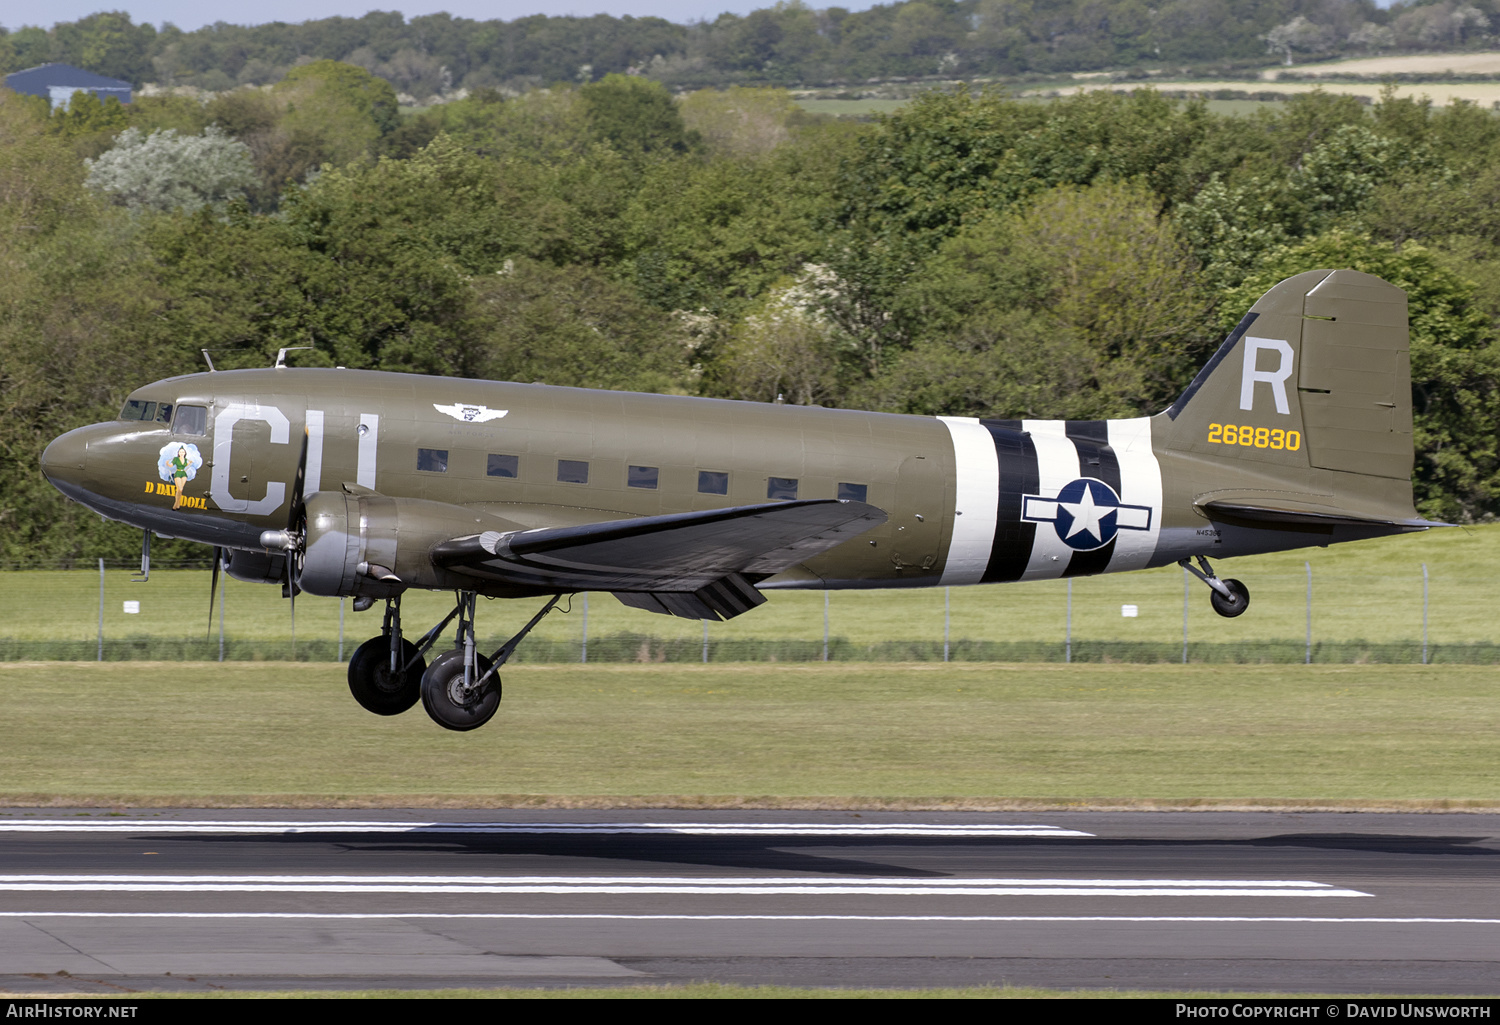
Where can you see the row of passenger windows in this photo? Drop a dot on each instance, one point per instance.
(576, 471)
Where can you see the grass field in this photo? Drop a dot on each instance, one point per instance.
(1365, 591)
(839, 735)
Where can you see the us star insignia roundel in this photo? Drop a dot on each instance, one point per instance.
(1086, 513)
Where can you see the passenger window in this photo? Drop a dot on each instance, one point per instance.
(642, 477)
(432, 460)
(138, 409)
(781, 489)
(503, 466)
(192, 420)
(713, 482)
(572, 471)
(853, 492)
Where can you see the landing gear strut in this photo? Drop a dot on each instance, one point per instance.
(385, 674)
(1229, 598)
(460, 690)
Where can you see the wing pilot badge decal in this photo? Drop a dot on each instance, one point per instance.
(177, 464)
(471, 414)
(1086, 513)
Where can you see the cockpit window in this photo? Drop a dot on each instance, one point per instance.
(140, 409)
(192, 420)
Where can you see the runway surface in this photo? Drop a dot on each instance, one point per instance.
(1331, 903)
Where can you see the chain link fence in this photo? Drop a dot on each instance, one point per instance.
(1316, 611)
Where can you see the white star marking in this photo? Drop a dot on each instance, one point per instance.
(1086, 515)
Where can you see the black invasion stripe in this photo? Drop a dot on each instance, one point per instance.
(1095, 459)
(1019, 475)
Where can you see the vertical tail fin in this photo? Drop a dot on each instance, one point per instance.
(1306, 405)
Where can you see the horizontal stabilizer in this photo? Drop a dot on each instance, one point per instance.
(1287, 515)
(696, 554)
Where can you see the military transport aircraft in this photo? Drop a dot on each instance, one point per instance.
(355, 483)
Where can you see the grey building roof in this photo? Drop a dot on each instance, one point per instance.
(58, 82)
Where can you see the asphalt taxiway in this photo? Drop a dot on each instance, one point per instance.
(1257, 902)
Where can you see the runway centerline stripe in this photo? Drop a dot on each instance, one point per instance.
(625, 885)
(559, 828)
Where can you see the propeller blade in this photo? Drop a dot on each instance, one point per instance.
(294, 510)
(213, 588)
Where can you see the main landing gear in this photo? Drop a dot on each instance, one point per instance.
(460, 689)
(1229, 598)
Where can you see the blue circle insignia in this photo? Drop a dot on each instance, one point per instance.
(1087, 514)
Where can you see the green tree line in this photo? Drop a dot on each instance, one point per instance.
(969, 255)
(787, 43)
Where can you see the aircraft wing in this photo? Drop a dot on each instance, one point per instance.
(685, 564)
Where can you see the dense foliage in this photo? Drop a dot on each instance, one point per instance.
(782, 44)
(968, 255)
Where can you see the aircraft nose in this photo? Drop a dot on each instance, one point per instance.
(65, 456)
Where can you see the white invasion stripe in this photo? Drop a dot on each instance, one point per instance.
(976, 470)
(565, 828)
(1057, 465)
(673, 885)
(1140, 484)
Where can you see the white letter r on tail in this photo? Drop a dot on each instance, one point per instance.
(1275, 378)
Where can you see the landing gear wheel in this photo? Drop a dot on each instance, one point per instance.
(445, 699)
(1229, 608)
(373, 684)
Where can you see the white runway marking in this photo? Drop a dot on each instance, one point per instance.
(559, 828)
(503, 916)
(753, 886)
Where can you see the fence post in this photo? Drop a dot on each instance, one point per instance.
(1068, 635)
(947, 619)
(1308, 659)
(1424, 613)
(101, 610)
(583, 655)
(1186, 587)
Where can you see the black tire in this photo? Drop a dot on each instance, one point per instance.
(443, 697)
(1231, 608)
(375, 687)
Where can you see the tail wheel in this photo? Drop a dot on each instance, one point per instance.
(449, 703)
(375, 687)
(1234, 605)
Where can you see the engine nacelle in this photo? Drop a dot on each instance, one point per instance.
(376, 547)
(255, 567)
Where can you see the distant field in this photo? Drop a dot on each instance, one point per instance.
(1368, 591)
(1486, 94)
(1408, 64)
(772, 735)
(852, 108)
(861, 108)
